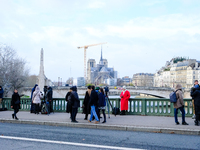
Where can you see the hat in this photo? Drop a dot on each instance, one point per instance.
(124, 87)
(97, 88)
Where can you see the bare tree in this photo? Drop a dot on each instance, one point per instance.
(13, 71)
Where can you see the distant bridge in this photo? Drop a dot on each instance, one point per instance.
(160, 92)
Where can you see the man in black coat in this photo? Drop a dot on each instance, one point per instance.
(49, 97)
(86, 106)
(75, 103)
(195, 94)
(94, 103)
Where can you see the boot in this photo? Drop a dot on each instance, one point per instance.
(196, 123)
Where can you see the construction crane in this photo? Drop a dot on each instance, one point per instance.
(86, 47)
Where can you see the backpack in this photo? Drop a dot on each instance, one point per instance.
(172, 96)
(116, 111)
(44, 109)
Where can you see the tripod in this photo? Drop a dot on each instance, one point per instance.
(108, 102)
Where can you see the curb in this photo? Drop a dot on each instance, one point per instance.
(106, 127)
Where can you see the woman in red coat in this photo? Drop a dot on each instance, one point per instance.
(125, 95)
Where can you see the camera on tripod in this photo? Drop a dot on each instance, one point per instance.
(106, 89)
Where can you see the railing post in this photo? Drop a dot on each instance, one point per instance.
(144, 107)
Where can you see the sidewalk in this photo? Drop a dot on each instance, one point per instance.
(127, 123)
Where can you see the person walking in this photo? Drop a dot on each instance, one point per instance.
(125, 95)
(37, 95)
(15, 104)
(1, 97)
(32, 105)
(49, 98)
(179, 105)
(86, 107)
(102, 104)
(195, 94)
(75, 104)
(93, 103)
(196, 85)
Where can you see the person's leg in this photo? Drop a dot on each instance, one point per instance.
(91, 115)
(183, 114)
(104, 115)
(1, 103)
(175, 115)
(75, 113)
(51, 106)
(99, 113)
(95, 113)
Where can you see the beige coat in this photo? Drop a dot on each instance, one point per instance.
(179, 95)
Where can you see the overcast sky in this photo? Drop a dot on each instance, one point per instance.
(141, 34)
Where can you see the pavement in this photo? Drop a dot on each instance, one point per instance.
(156, 124)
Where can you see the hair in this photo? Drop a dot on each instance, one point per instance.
(101, 89)
(196, 81)
(93, 87)
(89, 87)
(0, 86)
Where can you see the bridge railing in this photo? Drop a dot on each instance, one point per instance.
(136, 106)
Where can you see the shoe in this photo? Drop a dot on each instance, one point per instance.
(194, 116)
(96, 122)
(104, 122)
(89, 121)
(185, 123)
(16, 118)
(85, 118)
(177, 123)
(196, 123)
(74, 121)
(13, 116)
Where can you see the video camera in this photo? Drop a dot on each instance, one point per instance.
(106, 89)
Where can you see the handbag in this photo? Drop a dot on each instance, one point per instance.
(17, 102)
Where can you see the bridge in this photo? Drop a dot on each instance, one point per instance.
(160, 92)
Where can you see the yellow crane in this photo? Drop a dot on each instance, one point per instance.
(86, 47)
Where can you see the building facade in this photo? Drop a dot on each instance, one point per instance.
(178, 71)
(99, 73)
(143, 79)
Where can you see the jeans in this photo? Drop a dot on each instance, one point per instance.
(93, 112)
(73, 114)
(176, 112)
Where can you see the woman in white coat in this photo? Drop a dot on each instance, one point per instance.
(36, 99)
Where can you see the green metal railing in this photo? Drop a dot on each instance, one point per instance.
(137, 106)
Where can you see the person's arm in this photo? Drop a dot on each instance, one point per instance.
(128, 95)
(180, 96)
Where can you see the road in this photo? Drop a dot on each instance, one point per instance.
(29, 137)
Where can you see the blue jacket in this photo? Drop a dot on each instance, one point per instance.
(102, 101)
(1, 93)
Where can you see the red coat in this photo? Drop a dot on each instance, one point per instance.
(124, 100)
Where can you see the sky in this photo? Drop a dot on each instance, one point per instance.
(141, 35)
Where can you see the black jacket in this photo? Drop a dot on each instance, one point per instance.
(75, 99)
(94, 98)
(1, 92)
(86, 108)
(49, 94)
(15, 97)
(195, 94)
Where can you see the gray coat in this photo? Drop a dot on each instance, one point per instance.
(179, 95)
(37, 95)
